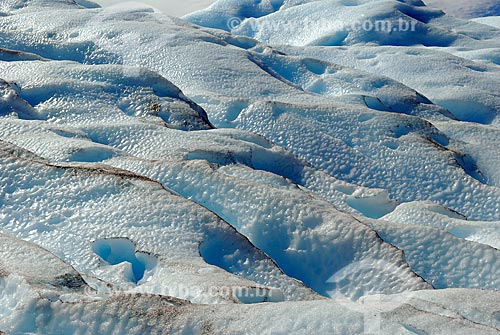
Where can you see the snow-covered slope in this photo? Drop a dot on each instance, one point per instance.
(493, 21)
(333, 22)
(467, 9)
(432, 312)
(468, 89)
(154, 167)
(117, 137)
(170, 7)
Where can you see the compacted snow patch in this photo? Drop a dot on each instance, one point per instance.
(363, 169)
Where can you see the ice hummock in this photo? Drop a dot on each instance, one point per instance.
(340, 191)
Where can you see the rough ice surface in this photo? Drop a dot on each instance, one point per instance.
(493, 21)
(467, 89)
(248, 169)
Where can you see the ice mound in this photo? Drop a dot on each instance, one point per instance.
(493, 21)
(53, 88)
(69, 193)
(253, 170)
(335, 22)
(47, 273)
(468, 9)
(443, 83)
(429, 214)
(423, 312)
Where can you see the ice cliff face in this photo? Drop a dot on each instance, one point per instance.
(161, 175)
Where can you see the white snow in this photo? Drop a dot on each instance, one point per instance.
(467, 9)
(493, 21)
(275, 176)
(170, 7)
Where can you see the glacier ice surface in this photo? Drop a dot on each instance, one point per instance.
(166, 175)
